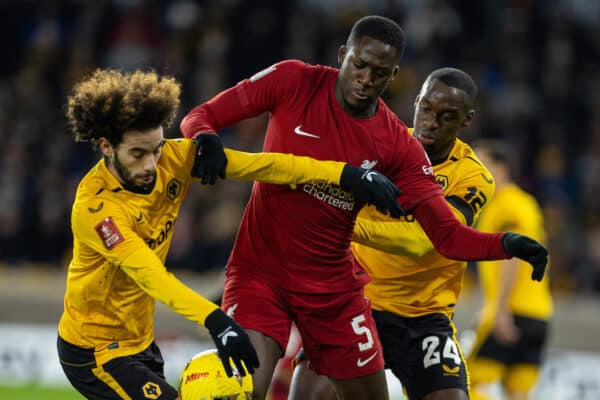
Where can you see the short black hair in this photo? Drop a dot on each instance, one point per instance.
(458, 79)
(380, 28)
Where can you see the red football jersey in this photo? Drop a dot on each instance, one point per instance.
(300, 236)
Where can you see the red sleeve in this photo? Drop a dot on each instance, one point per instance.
(251, 97)
(414, 174)
(453, 239)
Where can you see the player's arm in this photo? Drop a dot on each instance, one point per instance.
(110, 233)
(504, 328)
(249, 98)
(366, 186)
(396, 237)
(281, 168)
(422, 196)
(456, 241)
(147, 270)
(467, 198)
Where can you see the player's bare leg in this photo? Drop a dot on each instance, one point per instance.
(517, 395)
(269, 352)
(308, 385)
(446, 394)
(368, 387)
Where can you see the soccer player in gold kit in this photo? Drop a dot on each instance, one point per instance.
(413, 288)
(513, 323)
(123, 218)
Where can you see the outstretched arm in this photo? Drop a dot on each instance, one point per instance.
(394, 237)
(366, 186)
(146, 269)
(456, 241)
(279, 168)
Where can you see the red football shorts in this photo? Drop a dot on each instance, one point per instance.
(338, 332)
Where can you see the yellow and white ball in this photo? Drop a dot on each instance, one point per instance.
(204, 378)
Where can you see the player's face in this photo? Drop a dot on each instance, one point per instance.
(440, 112)
(367, 67)
(134, 160)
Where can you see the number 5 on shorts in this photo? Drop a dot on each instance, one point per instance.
(362, 330)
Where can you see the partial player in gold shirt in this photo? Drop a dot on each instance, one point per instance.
(514, 320)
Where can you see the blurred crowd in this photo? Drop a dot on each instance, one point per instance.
(537, 65)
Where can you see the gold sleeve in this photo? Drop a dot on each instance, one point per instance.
(279, 168)
(146, 269)
(403, 238)
(109, 232)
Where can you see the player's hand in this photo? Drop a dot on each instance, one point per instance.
(210, 159)
(527, 249)
(371, 187)
(231, 341)
(505, 330)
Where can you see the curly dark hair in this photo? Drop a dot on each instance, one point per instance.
(110, 102)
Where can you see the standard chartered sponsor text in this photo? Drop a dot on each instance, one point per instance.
(330, 194)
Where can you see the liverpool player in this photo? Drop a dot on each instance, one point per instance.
(292, 259)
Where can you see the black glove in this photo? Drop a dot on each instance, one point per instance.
(210, 159)
(368, 186)
(231, 341)
(527, 249)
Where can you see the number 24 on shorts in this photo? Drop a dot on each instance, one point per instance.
(431, 345)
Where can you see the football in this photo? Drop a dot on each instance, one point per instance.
(204, 378)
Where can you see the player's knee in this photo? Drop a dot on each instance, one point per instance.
(308, 385)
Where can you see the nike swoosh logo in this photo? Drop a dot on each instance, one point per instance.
(370, 176)
(361, 363)
(300, 132)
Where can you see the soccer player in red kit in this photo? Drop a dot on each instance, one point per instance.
(292, 260)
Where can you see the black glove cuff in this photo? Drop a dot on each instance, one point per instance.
(505, 239)
(216, 320)
(351, 175)
(208, 138)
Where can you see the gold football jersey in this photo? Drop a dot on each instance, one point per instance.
(408, 277)
(517, 211)
(121, 240)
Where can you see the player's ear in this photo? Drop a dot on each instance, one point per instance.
(417, 100)
(105, 147)
(342, 54)
(468, 119)
(394, 73)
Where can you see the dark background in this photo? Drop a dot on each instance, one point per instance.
(537, 65)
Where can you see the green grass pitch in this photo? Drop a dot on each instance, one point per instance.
(38, 393)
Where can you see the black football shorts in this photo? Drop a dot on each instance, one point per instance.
(528, 350)
(422, 352)
(136, 377)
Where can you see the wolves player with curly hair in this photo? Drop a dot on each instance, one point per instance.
(123, 219)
